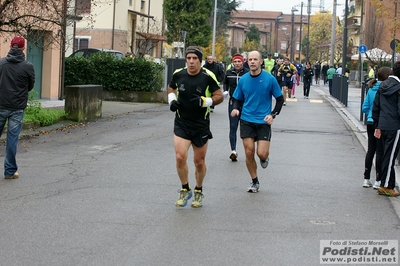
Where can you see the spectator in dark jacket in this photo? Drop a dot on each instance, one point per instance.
(386, 115)
(307, 79)
(17, 78)
(275, 71)
(212, 65)
(231, 80)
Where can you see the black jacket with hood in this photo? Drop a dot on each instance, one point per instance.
(17, 77)
(216, 68)
(386, 109)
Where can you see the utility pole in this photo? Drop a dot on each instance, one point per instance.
(333, 34)
(344, 62)
(292, 36)
(360, 61)
(214, 27)
(308, 31)
(301, 28)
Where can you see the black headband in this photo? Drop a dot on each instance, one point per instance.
(195, 50)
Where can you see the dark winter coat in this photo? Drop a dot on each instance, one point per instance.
(308, 73)
(217, 69)
(17, 77)
(386, 109)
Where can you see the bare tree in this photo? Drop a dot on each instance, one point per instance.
(374, 32)
(34, 19)
(148, 36)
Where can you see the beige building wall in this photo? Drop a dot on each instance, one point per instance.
(115, 27)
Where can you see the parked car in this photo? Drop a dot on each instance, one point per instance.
(87, 52)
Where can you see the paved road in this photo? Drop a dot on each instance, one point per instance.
(104, 194)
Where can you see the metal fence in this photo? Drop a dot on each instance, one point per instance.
(340, 88)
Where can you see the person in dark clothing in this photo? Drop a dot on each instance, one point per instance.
(307, 79)
(324, 70)
(374, 144)
(386, 115)
(317, 72)
(17, 78)
(275, 71)
(212, 65)
(191, 91)
(231, 80)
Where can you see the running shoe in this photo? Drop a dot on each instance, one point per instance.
(197, 200)
(367, 183)
(184, 196)
(388, 192)
(264, 163)
(377, 185)
(254, 188)
(233, 156)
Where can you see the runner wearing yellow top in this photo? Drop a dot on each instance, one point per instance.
(269, 63)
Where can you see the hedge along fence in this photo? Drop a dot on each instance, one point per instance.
(126, 74)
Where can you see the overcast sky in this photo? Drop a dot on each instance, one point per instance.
(286, 5)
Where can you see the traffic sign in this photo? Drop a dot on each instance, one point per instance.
(362, 48)
(394, 43)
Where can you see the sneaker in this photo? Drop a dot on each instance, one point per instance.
(377, 185)
(184, 196)
(197, 200)
(253, 188)
(14, 176)
(264, 163)
(388, 192)
(367, 183)
(284, 103)
(233, 156)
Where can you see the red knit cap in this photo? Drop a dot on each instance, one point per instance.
(238, 56)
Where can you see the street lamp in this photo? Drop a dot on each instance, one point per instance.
(280, 17)
(184, 41)
(292, 35)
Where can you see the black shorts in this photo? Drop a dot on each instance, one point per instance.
(197, 138)
(287, 84)
(256, 131)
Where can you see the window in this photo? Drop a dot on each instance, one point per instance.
(283, 45)
(130, 2)
(83, 7)
(81, 42)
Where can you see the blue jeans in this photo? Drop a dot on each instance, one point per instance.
(233, 126)
(15, 119)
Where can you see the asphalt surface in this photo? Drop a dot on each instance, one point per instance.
(103, 193)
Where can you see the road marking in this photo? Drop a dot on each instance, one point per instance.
(316, 101)
(291, 99)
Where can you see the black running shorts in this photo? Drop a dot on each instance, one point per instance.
(197, 138)
(256, 131)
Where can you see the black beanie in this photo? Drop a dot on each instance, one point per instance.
(196, 50)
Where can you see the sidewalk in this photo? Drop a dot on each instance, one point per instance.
(109, 109)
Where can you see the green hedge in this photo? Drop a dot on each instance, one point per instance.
(103, 69)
